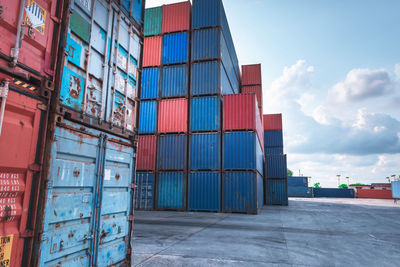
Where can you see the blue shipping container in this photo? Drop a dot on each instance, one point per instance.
(334, 192)
(300, 191)
(275, 166)
(88, 199)
(276, 192)
(205, 151)
(174, 81)
(205, 114)
(150, 81)
(171, 154)
(171, 190)
(242, 151)
(396, 189)
(144, 190)
(175, 48)
(273, 150)
(273, 139)
(204, 191)
(242, 192)
(298, 181)
(148, 117)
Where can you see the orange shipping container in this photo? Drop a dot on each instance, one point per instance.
(152, 51)
(251, 74)
(172, 116)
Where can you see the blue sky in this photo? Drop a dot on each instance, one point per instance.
(333, 69)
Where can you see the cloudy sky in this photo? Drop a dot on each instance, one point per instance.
(332, 68)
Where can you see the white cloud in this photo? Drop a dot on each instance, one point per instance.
(397, 70)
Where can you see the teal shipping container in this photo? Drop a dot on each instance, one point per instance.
(171, 190)
(152, 21)
(396, 189)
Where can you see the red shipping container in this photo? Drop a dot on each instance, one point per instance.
(152, 51)
(176, 17)
(172, 116)
(38, 47)
(146, 155)
(251, 74)
(257, 89)
(272, 122)
(374, 193)
(240, 112)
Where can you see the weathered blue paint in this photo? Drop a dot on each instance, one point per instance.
(242, 151)
(273, 139)
(334, 192)
(273, 150)
(242, 192)
(150, 82)
(171, 190)
(144, 190)
(148, 117)
(89, 199)
(300, 191)
(205, 114)
(171, 154)
(298, 181)
(275, 166)
(205, 151)
(276, 192)
(175, 48)
(204, 191)
(175, 81)
(206, 44)
(396, 189)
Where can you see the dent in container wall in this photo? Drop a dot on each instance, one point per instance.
(152, 21)
(175, 81)
(146, 155)
(251, 74)
(204, 191)
(152, 51)
(171, 190)
(172, 116)
(176, 17)
(148, 117)
(150, 80)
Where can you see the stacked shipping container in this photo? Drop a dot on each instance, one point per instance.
(298, 187)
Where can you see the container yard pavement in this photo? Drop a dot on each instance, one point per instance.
(308, 232)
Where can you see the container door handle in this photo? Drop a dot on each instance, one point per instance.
(3, 97)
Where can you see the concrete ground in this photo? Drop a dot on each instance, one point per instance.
(309, 232)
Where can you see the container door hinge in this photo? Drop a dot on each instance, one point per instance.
(3, 98)
(42, 107)
(34, 167)
(27, 234)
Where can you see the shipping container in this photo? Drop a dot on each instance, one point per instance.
(210, 78)
(256, 89)
(152, 51)
(298, 181)
(273, 139)
(396, 189)
(175, 48)
(251, 74)
(144, 190)
(146, 153)
(171, 190)
(205, 114)
(242, 151)
(275, 166)
(171, 154)
(87, 210)
(300, 191)
(22, 121)
(153, 21)
(176, 17)
(373, 193)
(204, 191)
(172, 116)
(175, 81)
(205, 151)
(135, 8)
(148, 117)
(150, 83)
(276, 192)
(334, 192)
(272, 122)
(273, 150)
(242, 192)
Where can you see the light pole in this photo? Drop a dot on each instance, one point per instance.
(348, 180)
(388, 178)
(338, 179)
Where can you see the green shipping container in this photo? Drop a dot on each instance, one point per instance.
(152, 21)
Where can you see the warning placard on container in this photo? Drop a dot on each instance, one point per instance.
(35, 16)
(5, 250)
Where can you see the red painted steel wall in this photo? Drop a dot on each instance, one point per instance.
(172, 115)
(146, 155)
(152, 51)
(257, 89)
(272, 122)
(36, 49)
(374, 193)
(176, 17)
(251, 74)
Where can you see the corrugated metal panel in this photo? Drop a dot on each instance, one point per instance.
(137, 11)
(205, 151)
(242, 151)
(205, 113)
(242, 192)
(148, 117)
(272, 122)
(171, 153)
(396, 189)
(257, 89)
(150, 81)
(276, 192)
(251, 74)
(171, 190)
(273, 139)
(175, 48)
(205, 13)
(153, 21)
(300, 191)
(144, 190)
(175, 81)
(298, 181)
(374, 193)
(204, 191)
(230, 68)
(206, 44)
(208, 78)
(273, 150)
(146, 154)
(275, 166)
(176, 17)
(152, 51)
(172, 116)
(334, 192)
